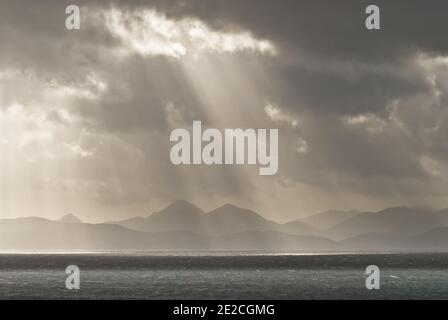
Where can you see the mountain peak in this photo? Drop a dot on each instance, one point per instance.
(181, 202)
(406, 210)
(230, 210)
(178, 208)
(181, 205)
(70, 218)
(424, 208)
(227, 206)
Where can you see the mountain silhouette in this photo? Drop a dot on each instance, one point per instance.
(329, 219)
(183, 226)
(179, 215)
(69, 218)
(227, 219)
(298, 227)
(37, 234)
(135, 223)
(434, 239)
(397, 220)
(232, 219)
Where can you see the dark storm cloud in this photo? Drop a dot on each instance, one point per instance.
(353, 92)
(307, 33)
(330, 28)
(379, 64)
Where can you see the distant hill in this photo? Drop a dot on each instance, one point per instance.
(329, 219)
(69, 218)
(297, 227)
(273, 240)
(435, 239)
(376, 241)
(135, 223)
(41, 234)
(35, 234)
(398, 221)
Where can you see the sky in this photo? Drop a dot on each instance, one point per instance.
(86, 115)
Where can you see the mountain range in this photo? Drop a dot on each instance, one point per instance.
(227, 219)
(183, 226)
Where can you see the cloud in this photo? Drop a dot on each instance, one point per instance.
(149, 32)
(275, 114)
(85, 116)
(369, 122)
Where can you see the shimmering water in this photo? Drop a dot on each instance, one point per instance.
(223, 276)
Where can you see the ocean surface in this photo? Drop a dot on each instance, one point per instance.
(223, 276)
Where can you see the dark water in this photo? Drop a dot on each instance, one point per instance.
(224, 276)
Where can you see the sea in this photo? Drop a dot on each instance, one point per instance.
(224, 275)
